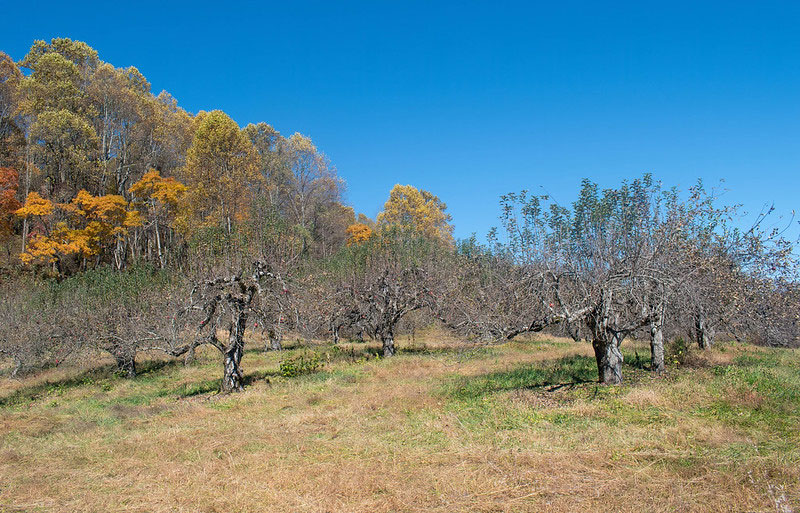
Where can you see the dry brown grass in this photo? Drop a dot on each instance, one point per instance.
(384, 436)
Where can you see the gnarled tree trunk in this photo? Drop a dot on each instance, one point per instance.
(274, 340)
(388, 344)
(657, 344)
(605, 342)
(17, 367)
(126, 363)
(232, 379)
(190, 357)
(609, 358)
(704, 334)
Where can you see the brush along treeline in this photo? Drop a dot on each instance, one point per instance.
(132, 225)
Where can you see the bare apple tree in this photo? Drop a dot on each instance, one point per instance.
(605, 263)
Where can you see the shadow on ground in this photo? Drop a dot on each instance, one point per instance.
(100, 374)
(553, 374)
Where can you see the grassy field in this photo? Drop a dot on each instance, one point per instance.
(517, 427)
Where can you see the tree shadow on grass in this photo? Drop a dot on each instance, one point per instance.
(357, 351)
(148, 367)
(424, 349)
(464, 352)
(555, 375)
(353, 350)
(568, 371)
(637, 360)
(287, 344)
(101, 374)
(212, 385)
(39, 390)
(262, 375)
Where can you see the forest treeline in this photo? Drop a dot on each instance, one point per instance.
(130, 224)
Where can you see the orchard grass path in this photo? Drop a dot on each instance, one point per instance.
(439, 427)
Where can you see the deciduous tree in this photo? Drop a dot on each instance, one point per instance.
(418, 210)
(221, 169)
(9, 183)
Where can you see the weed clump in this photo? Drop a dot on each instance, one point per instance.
(677, 351)
(299, 365)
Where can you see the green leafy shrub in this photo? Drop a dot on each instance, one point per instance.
(300, 364)
(677, 351)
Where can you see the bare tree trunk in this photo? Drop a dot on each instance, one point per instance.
(232, 380)
(605, 342)
(388, 344)
(27, 189)
(126, 363)
(609, 359)
(274, 342)
(657, 344)
(703, 333)
(119, 254)
(17, 367)
(190, 356)
(161, 262)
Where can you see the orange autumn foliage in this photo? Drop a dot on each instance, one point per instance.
(166, 191)
(358, 233)
(9, 183)
(89, 224)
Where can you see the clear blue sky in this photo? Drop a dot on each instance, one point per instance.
(472, 100)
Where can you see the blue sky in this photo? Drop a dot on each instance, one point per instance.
(472, 100)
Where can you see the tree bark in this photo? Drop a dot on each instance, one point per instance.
(17, 367)
(657, 345)
(27, 188)
(232, 379)
(274, 342)
(190, 356)
(606, 342)
(388, 344)
(703, 333)
(126, 364)
(161, 262)
(609, 359)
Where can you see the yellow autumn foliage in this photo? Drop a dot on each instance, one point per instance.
(35, 206)
(220, 174)
(417, 210)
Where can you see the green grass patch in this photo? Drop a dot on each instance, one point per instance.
(563, 372)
